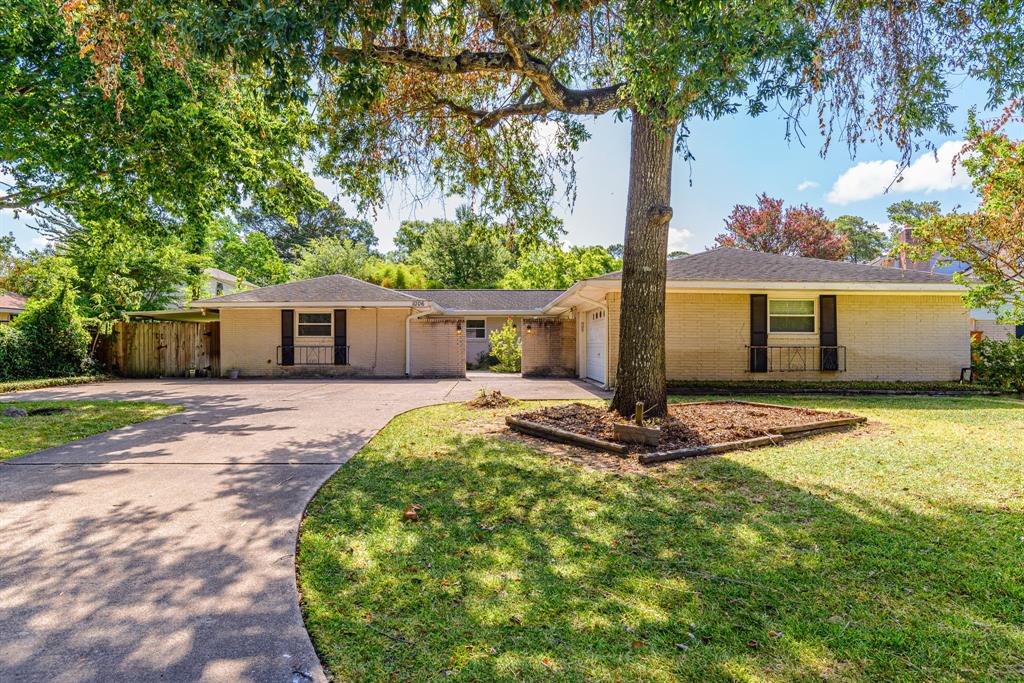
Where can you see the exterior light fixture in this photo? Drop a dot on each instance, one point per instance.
(529, 328)
(458, 327)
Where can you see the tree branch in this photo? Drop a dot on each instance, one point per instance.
(517, 60)
(462, 63)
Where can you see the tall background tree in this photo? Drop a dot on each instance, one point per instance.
(330, 256)
(795, 231)
(867, 242)
(289, 234)
(552, 267)
(249, 255)
(466, 253)
(908, 214)
(450, 92)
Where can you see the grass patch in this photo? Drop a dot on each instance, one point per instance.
(774, 386)
(894, 553)
(23, 435)
(28, 384)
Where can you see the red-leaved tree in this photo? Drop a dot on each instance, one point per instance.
(797, 231)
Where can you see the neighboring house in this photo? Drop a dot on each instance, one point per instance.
(220, 282)
(11, 305)
(730, 314)
(216, 282)
(983, 321)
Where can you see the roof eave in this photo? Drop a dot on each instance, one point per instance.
(213, 303)
(488, 312)
(843, 286)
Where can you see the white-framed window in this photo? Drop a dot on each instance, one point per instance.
(476, 329)
(791, 316)
(314, 325)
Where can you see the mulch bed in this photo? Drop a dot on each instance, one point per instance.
(688, 425)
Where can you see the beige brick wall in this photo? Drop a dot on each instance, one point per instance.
(993, 330)
(375, 336)
(549, 347)
(438, 348)
(888, 337)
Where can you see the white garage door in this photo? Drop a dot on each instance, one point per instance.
(597, 339)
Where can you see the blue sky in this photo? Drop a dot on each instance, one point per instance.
(736, 158)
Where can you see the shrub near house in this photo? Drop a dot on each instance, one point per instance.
(1001, 363)
(47, 340)
(507, 348)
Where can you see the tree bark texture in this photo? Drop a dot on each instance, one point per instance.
(640, 374)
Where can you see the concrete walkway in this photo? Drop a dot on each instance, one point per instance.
(165, 551)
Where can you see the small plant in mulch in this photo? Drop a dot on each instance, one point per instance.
(491, 399)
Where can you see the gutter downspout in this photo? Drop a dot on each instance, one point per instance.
(408, 339)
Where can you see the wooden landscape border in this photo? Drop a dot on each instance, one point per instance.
(554, 434)
(776, 436)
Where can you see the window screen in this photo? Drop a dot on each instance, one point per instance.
(791, 315)
(314, 324)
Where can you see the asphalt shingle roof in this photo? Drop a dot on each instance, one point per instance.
(487, 299)
(742, 265)
(10, 300)
(326, 289)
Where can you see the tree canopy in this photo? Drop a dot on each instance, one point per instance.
(466, 253)
(552, 267)
(249, 255)
(330, 256)
(148, 139)
(989, 241)
(290, 234)
(796, 231)
(867, 242)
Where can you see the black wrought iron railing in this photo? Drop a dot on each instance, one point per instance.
(301, 354)
(796, 358)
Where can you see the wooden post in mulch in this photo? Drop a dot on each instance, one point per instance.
(637, 433)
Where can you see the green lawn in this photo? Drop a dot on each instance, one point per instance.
(22, 435)
(893, 553)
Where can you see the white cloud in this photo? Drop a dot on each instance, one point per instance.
(806, 185)
(679, 239)
(930, 172)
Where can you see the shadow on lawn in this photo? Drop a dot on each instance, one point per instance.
(710, 571)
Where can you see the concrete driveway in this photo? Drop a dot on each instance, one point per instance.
(165, 551)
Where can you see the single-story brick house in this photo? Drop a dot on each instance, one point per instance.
(11, 305)
(730, 314)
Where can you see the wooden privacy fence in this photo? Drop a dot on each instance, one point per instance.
(161, 349)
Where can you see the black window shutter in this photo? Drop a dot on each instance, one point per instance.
(287, 336)
(340, 336)
(758, 332)
(1020, 331)
(828, 334)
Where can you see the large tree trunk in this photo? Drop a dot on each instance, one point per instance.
(640, 375)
